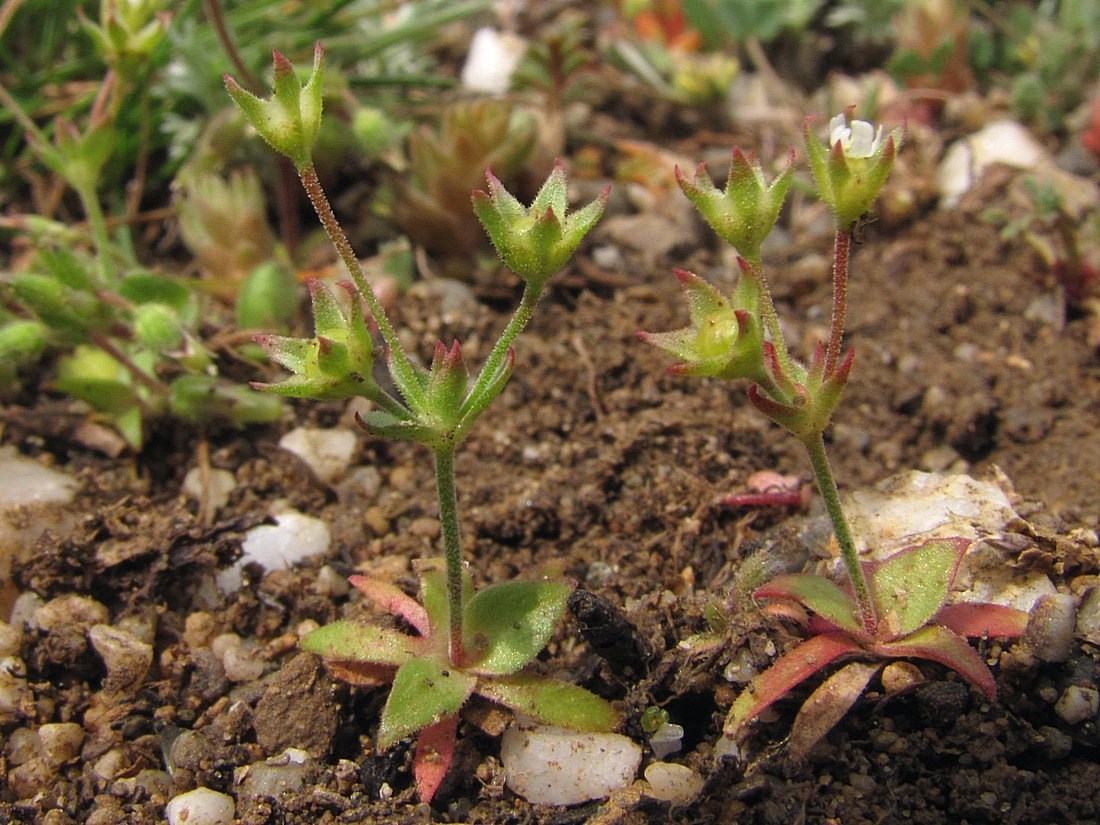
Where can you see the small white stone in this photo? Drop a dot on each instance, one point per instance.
(293, 538)
(61, 741)
(673, 783)
(327, 452)
(220, 484)
(13, 687)
(201, 806)
(278, 775)
(1003, 141)
(25, 481)
(1049, 633)
(551, 766)
(666, 739)
(1078, 704)
(69, 611)
(32, 500)
(126, 657)
(491, 61)
(11, 637)
(1088, 616)
(243, 664)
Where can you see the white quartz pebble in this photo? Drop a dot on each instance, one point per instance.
(551, 766)
(293, 538)
(328, 452)
(673, 783)
(201, 806)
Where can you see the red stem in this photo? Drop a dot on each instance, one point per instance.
(841, 247)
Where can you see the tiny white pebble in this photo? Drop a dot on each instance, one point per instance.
(201, 806)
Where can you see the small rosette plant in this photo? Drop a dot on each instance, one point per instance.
(895, 609)
(466, 642)
(505, 626)
(909, 591)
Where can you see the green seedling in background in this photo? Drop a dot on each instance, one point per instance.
(468, 642)
(127, 336)
(890, 610)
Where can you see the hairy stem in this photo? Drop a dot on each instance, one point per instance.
(823, 474)
(404, 374)
(452, 544)
(841, 248)
(770, 317)
(520, 318)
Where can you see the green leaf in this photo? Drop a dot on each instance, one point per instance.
(509, 623)
(152, 287)
(433, 594)
(424, 691)
(911, 586)
(353, 642)
(817, 593)
(551, 702)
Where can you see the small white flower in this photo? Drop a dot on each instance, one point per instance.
(860, 140)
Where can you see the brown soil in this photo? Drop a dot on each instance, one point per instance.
(597, 463)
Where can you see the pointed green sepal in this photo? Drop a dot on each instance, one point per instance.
(535, 242)
(447, 385)
(509, 623)
(424, 692)
(478, 401)
(723, 341)
(337, 362)
(851, 169)
(551, 702)
(291, 119)
(745, 213)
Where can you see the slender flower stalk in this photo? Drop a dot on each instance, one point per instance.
(841, 248)
(452, 546)
(405, 374)
(826, 485)
(769, 316)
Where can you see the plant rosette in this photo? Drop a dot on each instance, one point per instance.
(909, 592)
(505, 626)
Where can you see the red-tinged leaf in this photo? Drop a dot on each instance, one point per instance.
(828, 704)
(361, 674)
(975, 620)
(818, 594)
(347, 641)
(392, 599)
(435, 750)
(786, 673)
(938, 644)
